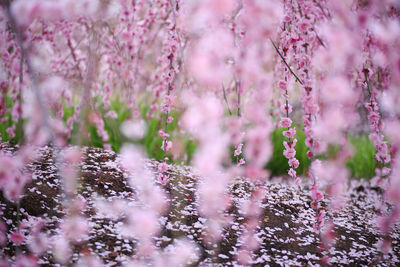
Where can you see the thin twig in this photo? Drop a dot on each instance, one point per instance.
(238, 95)
(317, 2)
(283, 59)
(226, 100)
(113, 36)
(367, 82)
(171, 56)
(67, 57)
(74, 58)
(319, 38)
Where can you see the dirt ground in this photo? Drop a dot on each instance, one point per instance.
(285, 227)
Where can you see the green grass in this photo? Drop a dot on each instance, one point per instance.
(278, 164)
(8, 122)
(151, 141)
(362, 164)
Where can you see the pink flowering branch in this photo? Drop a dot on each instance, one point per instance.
(167, 110)
(31, 71)
(284, 61)
(374, 118)
(173, 41)
(286, 122)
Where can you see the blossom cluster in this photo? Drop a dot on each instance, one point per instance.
(327, 68)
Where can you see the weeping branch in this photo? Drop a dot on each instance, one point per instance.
(226, 100)
(284, 61)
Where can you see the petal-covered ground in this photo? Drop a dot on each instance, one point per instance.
(285, 229)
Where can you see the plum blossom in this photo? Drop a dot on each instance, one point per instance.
(17, 238)
(238, 150)
(289, 133)
(241, 162)
(162, 167)
(282, 85)
(166, 145)
(167, 104)
(293, 162)
(285, 122)
(292, 173)
(286, 109)
(163, 134)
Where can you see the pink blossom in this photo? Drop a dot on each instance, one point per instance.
(11, 131)
(304, 25)
(241, 162)
(285, 122)
(282, 85)
(162, 167)
(384, 171)
(17, 238)
(289, 133)
(316, 195)
(163, 134)
(167, 104)
(292, 173)
(293, 162)
(163, 178)
(289, 153)
(166, 145)
(286, 109)
(238, 150)
(290, 144)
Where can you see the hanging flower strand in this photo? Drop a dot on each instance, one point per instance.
(286, 122)
(171, 47)
(374, 118)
